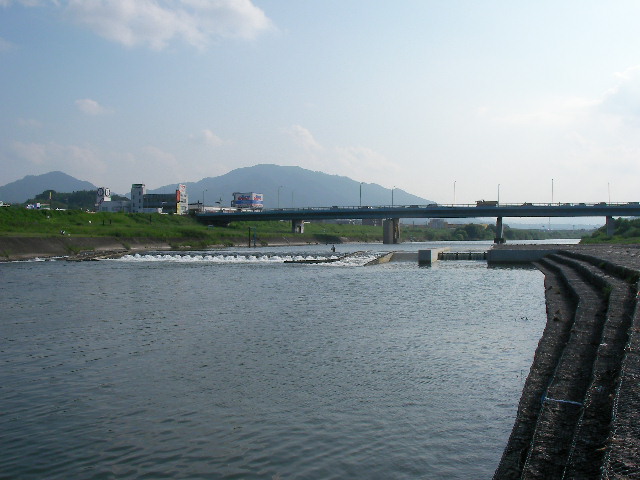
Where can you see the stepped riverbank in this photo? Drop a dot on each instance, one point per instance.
(579, 408)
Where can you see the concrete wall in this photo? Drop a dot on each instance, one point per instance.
(427, 257)
(505, 255)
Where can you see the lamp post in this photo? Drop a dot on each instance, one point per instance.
(392, 195)
(279, 195)
(361, 194)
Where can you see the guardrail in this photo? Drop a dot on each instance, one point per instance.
(451, 205)
(503, 210)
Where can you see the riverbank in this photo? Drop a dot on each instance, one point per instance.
(579, 405)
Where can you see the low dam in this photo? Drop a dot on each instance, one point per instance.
(579, 410)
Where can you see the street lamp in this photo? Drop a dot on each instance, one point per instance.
(361, 193)
(394, 187)
(279, 195)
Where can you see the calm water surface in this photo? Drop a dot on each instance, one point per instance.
(233, 364)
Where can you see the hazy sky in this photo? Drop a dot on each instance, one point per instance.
(421, 95)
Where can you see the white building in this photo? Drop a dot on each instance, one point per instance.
(105, 204)
(143, 202)
(138, 191)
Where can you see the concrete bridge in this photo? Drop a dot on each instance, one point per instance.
(391, 215)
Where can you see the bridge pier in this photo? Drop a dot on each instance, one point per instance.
(499, 232)
(297, 226)
(391, 231)
(611, 226)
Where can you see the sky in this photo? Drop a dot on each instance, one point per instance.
(453, 101)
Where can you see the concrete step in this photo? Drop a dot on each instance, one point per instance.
(588, 425)
(564, 397)
(593, 428)
(561, 305)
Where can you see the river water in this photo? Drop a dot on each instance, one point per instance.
(233, 364)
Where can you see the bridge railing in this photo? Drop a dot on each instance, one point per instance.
(443, 205)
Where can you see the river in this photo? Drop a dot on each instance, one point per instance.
(234, 364)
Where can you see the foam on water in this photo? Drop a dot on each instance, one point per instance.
(333, 260)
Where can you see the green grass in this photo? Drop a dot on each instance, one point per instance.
(179, 230)
(22, 222)
(627, 231)
(186, 230)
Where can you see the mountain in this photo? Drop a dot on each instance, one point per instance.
(282, 187)
(286, 187)
(31, 185)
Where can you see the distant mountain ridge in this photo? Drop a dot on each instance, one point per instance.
(287, 187)
(282, 186)
(28, 187)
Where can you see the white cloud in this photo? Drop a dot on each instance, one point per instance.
(207, 137)
(5, 45)
(29, 123)
(586, 142)
(28, 3)
(83, 161)
(117, 170)
(303, 137)
(159, 156)
(623, 100)
(155, 23)
(357, 162)
(357, 159)
(553, 113)
(91, 107)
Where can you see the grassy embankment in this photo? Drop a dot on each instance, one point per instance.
(174, 229)
(626, 231)
(183, 230)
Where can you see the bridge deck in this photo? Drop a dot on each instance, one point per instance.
(630, 209)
